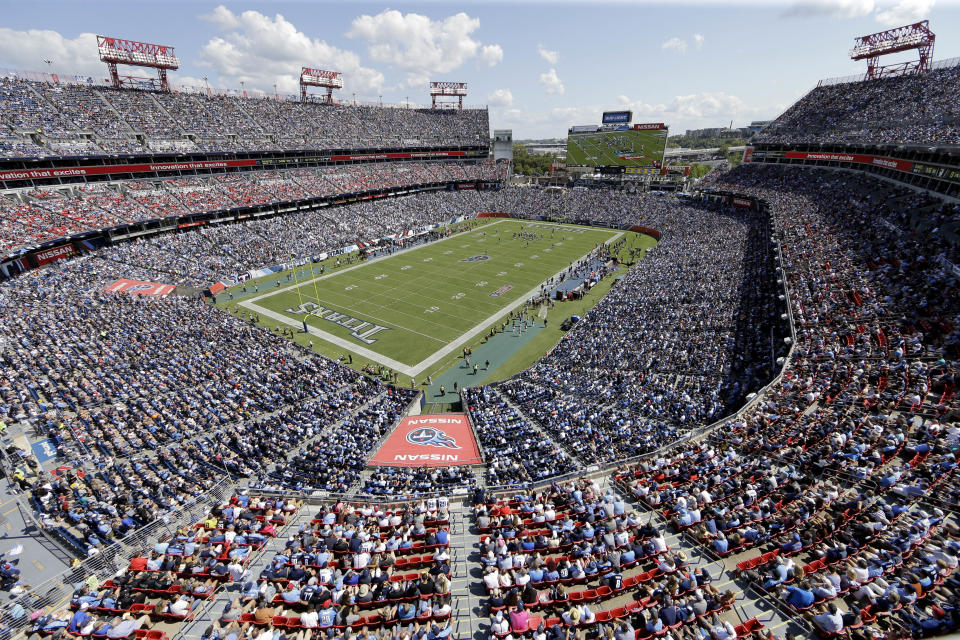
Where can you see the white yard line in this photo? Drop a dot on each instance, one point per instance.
(416, 369)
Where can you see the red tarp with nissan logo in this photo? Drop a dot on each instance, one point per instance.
(443, 440)
(140, 288)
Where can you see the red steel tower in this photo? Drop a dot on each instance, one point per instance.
(914, 36)
(115, 51)
(447, 93)
(328, 80)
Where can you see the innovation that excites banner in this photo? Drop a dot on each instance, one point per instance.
(65, 172)
(617, 117)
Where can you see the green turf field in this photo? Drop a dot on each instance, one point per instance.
(628, 148)
(412, 309)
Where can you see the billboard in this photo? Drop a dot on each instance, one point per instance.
(46, 256)
(617, 117)
(69, 172)
(616, 146)
(649, 125)
(443, 440)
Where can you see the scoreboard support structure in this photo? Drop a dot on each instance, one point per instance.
(328, 80)
(447, 94)
(913, 36)
(116, 51)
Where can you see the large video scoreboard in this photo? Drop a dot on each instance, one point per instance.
(625, 145)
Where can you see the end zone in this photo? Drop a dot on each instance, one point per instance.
(442, 440)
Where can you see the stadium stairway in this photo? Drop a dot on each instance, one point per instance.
(466, 577)
(212, 611)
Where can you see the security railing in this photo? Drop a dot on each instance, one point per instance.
(104, 564)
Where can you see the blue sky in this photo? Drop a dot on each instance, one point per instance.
(540, 66)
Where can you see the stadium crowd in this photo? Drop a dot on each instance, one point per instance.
(835, 492)
(671, 347)
(919, 109)
(39, 215)
(41, 119)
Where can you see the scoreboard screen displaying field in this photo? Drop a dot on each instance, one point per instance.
(623, 146)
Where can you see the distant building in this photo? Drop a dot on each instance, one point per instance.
(503, 144)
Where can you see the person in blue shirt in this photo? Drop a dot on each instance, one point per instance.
(79, 619)
(292, 594)
(407, 611)
(720, 544)
(777, 576)
(327, 616)
(798, 597)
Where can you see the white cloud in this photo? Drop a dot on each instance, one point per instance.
(500, 98)
(261, 51)
(423, 47)
(27, 50)
(553, 57)
(491, 55)
(887, 12)
(698, 40)
(831, 8)
(905, 12)
(675, 44)
(551, 82)
(707, 105)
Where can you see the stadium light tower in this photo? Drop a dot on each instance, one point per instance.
(115, 51)
(328, 80)
(443, 93)
(913, 36)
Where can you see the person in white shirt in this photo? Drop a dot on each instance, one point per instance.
(492, 579)
(310, 618)
(236, 570)
(659, 543)
(499, 623)
(180, 607)
(831, 620)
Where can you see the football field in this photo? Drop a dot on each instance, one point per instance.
(410, 309)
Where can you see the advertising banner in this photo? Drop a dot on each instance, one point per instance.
(66, 172)
(413, 155)
(856, 158)
(46, 256)
(442, 440)
(649, 125)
